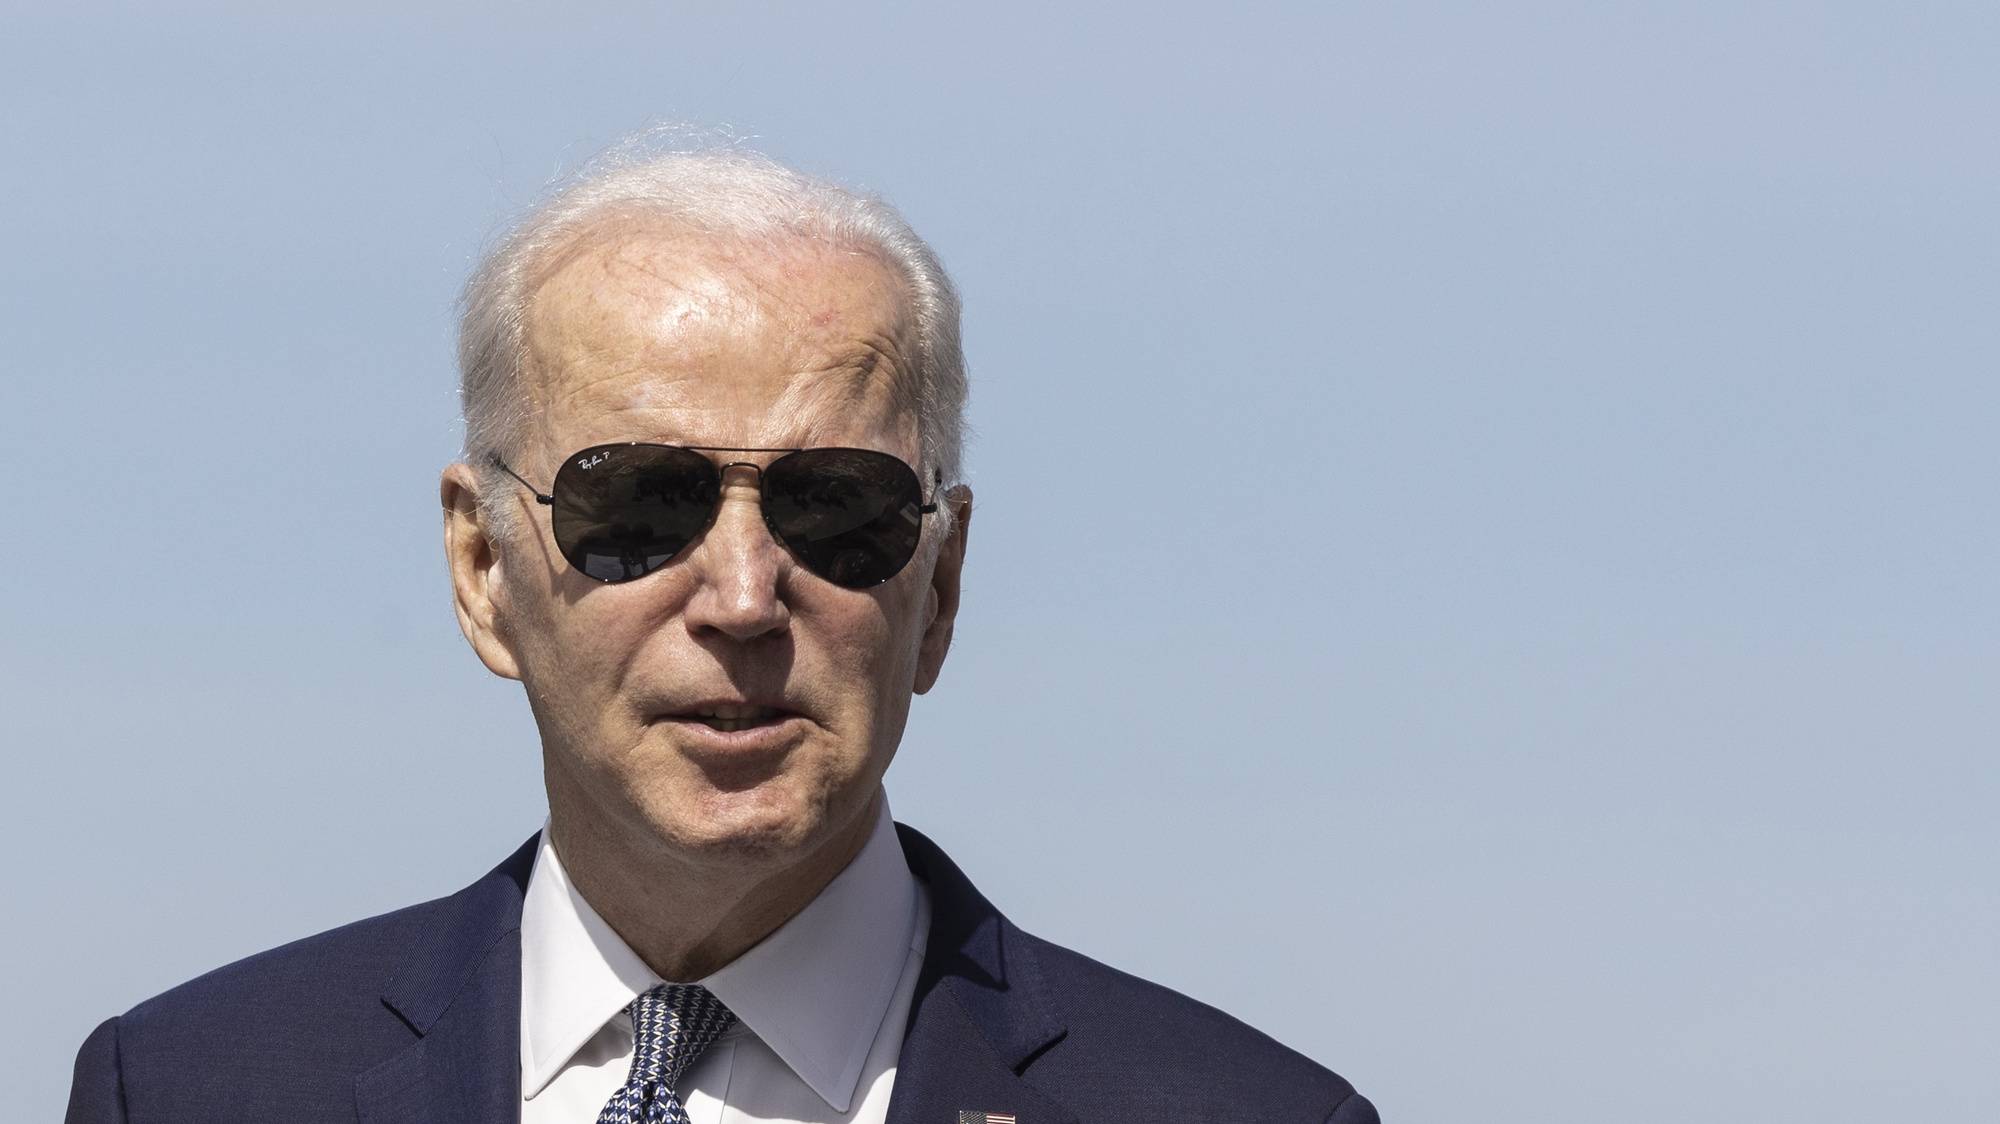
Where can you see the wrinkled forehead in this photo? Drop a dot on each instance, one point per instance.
(640, 331)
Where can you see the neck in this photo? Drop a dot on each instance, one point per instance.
(687, 916)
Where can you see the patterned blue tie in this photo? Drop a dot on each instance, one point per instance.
(671, 1025)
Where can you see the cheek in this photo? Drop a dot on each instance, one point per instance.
(574, 654)
(878, 653)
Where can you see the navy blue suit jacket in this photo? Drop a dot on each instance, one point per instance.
(413, 1017)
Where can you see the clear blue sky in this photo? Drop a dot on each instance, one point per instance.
(1486, 535)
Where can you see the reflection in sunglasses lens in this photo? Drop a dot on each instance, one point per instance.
(849, 515)
(622, 512)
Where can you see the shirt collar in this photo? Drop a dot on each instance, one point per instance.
(815, 990)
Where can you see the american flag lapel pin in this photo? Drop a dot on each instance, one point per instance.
(965, 1117)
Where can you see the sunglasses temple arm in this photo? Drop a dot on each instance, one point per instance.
(539, 497)
(937, 481)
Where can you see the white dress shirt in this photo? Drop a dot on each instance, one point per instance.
(820, 1003)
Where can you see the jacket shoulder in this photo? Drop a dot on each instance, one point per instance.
(292, 1025)
(1135, 1045)
(320, 995)
(341, 970)
(319, 969)
(1110, 1047)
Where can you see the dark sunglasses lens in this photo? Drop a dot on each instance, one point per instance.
(850, 515)
(623, 511)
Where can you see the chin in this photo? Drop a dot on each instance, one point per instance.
(750, 824)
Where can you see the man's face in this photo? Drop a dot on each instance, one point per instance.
(731, 705)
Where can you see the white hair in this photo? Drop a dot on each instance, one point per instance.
(710, 185)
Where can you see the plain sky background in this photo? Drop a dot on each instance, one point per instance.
(1486, 513)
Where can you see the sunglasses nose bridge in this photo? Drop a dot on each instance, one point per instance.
(739, 568)
(722, 502)
(722, 481)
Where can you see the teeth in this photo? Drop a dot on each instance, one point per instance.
(728, 724)
(732, 716)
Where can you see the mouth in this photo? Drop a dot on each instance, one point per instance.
(736, 744)
(730, 717)
(733, 723)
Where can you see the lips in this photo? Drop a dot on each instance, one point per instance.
(733, 717)
(730, 715)
(736, 743)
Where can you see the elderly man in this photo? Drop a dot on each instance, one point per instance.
(709, 516)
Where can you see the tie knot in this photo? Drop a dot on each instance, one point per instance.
(671, 1025)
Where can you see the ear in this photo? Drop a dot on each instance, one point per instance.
(943, 593)
(471, 550)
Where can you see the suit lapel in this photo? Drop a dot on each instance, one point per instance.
(980, 1015)
(981, 1012)
(460, 995)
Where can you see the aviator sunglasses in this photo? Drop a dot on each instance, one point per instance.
(619, 512)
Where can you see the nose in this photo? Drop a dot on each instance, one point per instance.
(739, 567)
